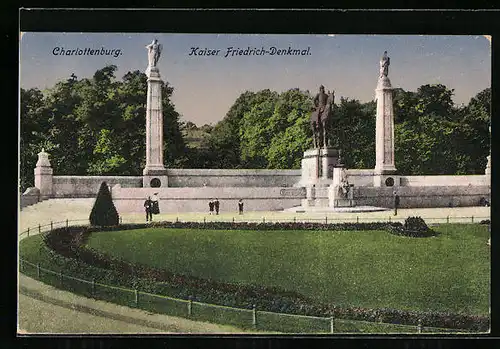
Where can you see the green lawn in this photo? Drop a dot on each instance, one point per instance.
(373, 269)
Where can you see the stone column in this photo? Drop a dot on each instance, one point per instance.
(384, 134)
(43, 175)
(154, 124)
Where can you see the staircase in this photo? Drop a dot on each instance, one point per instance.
(55, 210)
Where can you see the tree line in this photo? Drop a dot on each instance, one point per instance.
(96, 126)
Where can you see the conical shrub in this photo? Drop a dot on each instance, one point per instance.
(104, 211)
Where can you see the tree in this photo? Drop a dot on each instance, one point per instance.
(290, 129)
(223, 144)
(256, 130)
(104, 211)
(33, 128)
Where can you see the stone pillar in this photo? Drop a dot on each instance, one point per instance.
(43, 175)
(384, 134)
(154, 124)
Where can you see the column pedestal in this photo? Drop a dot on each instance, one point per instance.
(155, 174)
(384, 134)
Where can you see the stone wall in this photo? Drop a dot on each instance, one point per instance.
(232, 178)
(420, 196)
(360, 178)
(30, 197)
(445, 180)
(88, 186)
(196, 199)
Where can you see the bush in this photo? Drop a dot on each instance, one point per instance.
(104, 211)
(413, 227)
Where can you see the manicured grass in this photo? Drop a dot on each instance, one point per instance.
(372, 269)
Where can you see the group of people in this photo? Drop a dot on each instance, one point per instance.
(151, 206)
(215, 205)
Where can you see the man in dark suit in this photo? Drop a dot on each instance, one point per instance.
(148, 205)
(396, 203)
(240, 206)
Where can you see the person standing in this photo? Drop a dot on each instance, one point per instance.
(211, 206)
(396, 203)
(148, 206)
(216, 205)
(240, 206)
(155, 209)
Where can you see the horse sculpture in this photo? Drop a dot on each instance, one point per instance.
(321, 115)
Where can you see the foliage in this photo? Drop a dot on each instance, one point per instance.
(413, 227)
(94, 126)
(104, 211)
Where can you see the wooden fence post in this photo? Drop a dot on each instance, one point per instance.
(447, 219)
(357, 219)
(93, 287)
(326, 220)
(472, 219)
(419, 326)
(28, 232)
(254, 316)
(136, 298)
(332, 324)
(38, 270)
(39, 228)
(51, 226)
(190, 306)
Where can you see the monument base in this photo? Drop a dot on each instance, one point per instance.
(155, 177)
(386, 180)
(317, 166)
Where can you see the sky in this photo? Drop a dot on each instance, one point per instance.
(205, 87)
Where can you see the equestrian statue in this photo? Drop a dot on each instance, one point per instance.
(320, 117)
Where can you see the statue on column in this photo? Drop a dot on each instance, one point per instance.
(385, 61)
(323, 104)
(154, 52)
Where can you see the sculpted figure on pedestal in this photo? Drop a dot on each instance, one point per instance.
(320, 116)
(154, 52)
(385, 61)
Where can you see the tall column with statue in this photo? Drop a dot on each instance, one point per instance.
(154, 121)
(384, 133)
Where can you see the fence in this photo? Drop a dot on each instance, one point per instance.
(249, 319)
(330, 219)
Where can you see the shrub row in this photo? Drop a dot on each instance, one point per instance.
(69, 242)
(237, 226)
